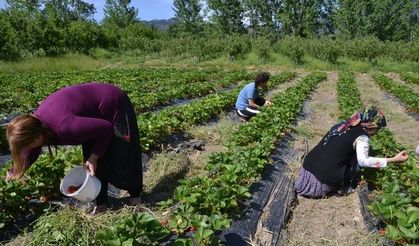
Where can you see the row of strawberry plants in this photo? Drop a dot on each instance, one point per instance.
(170, 120)
(143, 226)
(402, 92)
(203, 205)
(40, 183)
(144, 101)
(410, 77)
(147, 76)
(22, 92)
(349, 98)
(397, 197)
(156, 127)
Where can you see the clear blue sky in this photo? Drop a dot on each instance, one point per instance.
(148, 9)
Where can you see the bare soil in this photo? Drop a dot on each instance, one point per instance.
(404, 126)
(333, 220)
(396, 77)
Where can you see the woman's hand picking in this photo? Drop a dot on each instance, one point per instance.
(91, 164)
(9, 176)
(268, 103)
(401, 156)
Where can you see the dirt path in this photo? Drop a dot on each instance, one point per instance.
(396, 77)
(334, 220)
(404, 127)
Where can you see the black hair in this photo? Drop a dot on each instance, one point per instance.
(261, 78)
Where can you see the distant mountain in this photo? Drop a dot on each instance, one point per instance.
(161, 25)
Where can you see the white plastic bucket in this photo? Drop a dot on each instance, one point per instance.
(79, 176)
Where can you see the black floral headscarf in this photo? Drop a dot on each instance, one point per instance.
(370, 118)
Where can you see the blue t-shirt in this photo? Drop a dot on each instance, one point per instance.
(248, 92)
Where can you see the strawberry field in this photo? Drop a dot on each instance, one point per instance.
(172, 101)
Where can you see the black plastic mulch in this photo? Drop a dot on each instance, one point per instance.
(272, 195)
(372, 223)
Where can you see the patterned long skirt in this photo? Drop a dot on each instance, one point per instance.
(308, 185)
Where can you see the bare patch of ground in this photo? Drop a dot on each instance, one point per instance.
(404, 127)
(396, 77)
(333, 220)
(161, 178)
(215, 137)
(329, 221)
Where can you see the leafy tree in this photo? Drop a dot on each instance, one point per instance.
(64, 11)
(9, 43)
(300, 17)
(81, 10)
(137, 36)
(27, 6)
(119, 13)
(352, 18)
(82, 36)
(227, 15)
(390, 19)
(188, 16)
(264, 16)
(385, 19)
(52, 38)
(327, 11)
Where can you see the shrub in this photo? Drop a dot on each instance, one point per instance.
(82, 36)
(367, 49)
(99, 53)
(9, 42)
(236, 47)
(261, 46)
(292, 47)
(325, 49)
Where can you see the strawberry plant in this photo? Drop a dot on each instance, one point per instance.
(402, 92)
(23, 91)
(410, 77)
(154, 128)
(348, 95)
(41, 181)
(137, 229)
(398, 197)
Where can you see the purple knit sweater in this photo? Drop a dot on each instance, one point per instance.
(78, 114)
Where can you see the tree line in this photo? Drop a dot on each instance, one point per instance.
(206, 28)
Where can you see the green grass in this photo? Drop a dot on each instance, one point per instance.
(101, 58)
(165, 169)
(391, 66)
(53, 64)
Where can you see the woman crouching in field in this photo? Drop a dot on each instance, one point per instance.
(98, 116)
(332, 165)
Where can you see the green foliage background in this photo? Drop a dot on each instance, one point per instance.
(208, 29)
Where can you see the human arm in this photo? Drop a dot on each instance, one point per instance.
(364, 160)
(402, 156)
(252, 104)
(87, 129)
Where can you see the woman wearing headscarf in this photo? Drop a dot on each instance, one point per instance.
(98, 116)
(332, 165)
